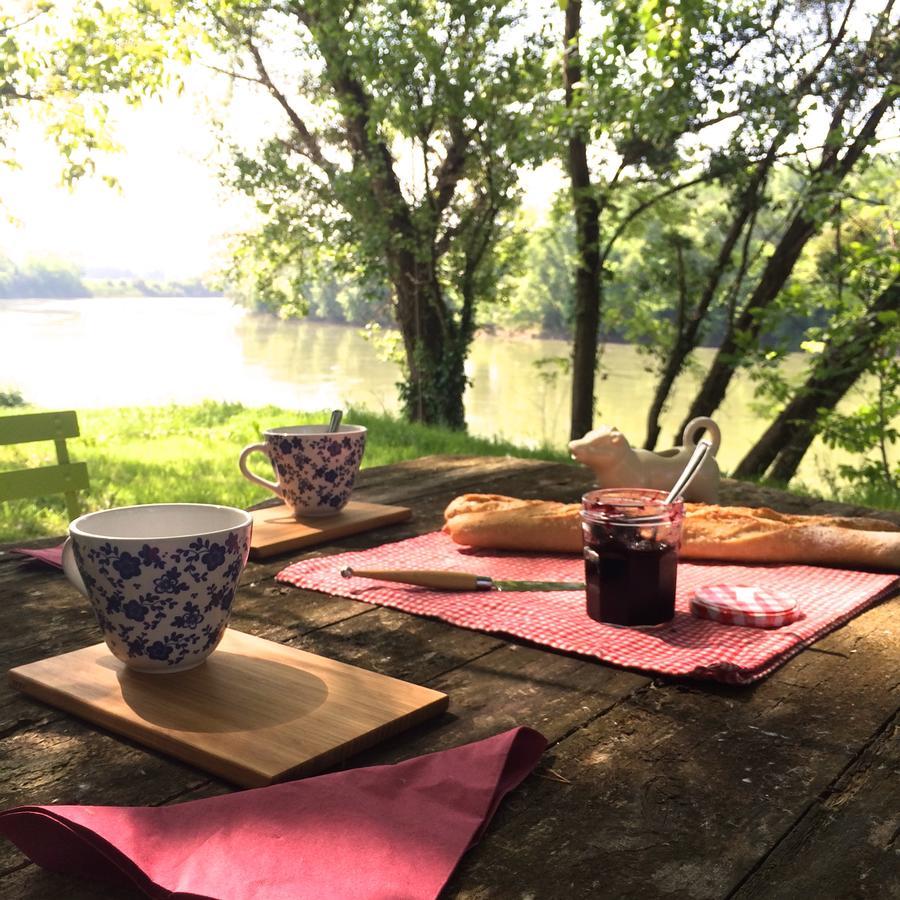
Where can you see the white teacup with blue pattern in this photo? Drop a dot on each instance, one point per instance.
(161, 578)
(316, 469)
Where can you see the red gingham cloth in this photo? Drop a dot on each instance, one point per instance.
(736, 604)
(686, 646)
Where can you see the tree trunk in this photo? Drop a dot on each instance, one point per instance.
(435, 355)
(835, 371)
(674, 364)
(435, 382)
(588, 290)
(749, 323)
(779, 267)
(686, 340)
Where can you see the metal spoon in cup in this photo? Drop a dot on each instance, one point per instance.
(335, 422)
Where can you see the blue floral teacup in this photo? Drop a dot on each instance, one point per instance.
(316, 469)
(161, 578)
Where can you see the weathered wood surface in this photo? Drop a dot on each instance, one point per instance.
(650, 788)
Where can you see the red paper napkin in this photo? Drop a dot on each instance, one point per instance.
(380, 832)
(686, 646)
(50, 555)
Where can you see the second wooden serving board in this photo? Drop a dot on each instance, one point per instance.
(276, 530)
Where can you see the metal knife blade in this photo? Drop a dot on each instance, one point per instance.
(506, 585)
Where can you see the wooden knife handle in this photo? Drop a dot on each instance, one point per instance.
(458, 581)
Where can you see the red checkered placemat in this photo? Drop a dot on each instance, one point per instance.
(686, 646)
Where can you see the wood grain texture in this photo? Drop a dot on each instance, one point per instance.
(856, 822)
(276, 529)
(254, 713)
(681, 790)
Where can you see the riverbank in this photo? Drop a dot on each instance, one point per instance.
(124, 288)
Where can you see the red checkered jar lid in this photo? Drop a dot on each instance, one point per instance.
(736, 604)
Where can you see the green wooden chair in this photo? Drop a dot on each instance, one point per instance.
(65, 478)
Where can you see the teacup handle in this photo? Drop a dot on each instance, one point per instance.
(273, 486)
(70, 567)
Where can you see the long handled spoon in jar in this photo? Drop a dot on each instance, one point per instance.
(690, 470)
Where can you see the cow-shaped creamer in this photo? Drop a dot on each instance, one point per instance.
(617, 464)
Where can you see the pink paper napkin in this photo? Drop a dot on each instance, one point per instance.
(50, 555)
(686, 646)
(380, 832)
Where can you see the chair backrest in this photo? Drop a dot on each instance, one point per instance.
(65, 478)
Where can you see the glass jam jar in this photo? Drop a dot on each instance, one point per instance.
(631, 540)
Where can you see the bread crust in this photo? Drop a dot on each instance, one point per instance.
(492, 520)
(728, 533)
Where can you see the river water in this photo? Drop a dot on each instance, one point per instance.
(111, 352)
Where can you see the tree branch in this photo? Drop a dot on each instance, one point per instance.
(237, 76)
(646, 204)
(449, 172)
(12, 25)
(742, 269)
(7, 90)
(308, 141)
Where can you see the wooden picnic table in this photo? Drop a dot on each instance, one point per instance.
(651, 787)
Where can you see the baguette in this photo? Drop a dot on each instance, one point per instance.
(492, 520)
(726, 533)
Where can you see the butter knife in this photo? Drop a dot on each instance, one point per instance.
(459, 581)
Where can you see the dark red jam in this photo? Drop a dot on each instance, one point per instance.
(629, 583)
(631, 539)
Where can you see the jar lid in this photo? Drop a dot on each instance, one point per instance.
(737, 604)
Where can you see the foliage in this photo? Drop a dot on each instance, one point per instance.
(876, 494)
(819, 103)
(870, 427)
(741, 96)
(50, 278)
(141, 287)
(404, 125)
(652, 73)
(640, 88)
(737, 189)
(538, 293)
(849, 266)
(656, 274)
(62, 60)
(40, 278)
(189, 454)
(11, 399)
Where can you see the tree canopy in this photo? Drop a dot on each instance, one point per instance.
(64, 60)
(403, 127)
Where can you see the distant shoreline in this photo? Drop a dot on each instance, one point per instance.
(124, 292)
(51, 280)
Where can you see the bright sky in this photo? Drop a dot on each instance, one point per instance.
(171, 217)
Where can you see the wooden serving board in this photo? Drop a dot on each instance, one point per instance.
(254, 713)
(276, 530)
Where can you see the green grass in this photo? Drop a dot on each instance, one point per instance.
(188, 454)
(876, 495)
